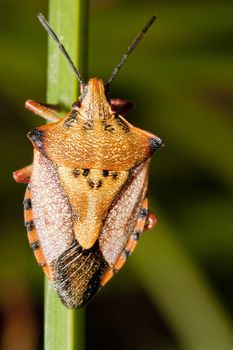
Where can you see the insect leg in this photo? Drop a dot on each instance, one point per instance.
(23, 175)
(130, 245)
(121, 106)
(151, 221)
(32, 234)
(45, 111)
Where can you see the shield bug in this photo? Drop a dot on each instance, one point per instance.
(86, 204)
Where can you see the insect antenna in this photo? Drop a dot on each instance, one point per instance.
(130, 49)
(49, 30)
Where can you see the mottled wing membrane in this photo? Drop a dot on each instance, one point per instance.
(123, 214)
(52, 213)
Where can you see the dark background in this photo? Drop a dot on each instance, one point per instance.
(176, 290)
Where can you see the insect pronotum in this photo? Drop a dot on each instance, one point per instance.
(86, 204)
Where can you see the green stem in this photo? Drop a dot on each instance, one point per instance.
(64, 329)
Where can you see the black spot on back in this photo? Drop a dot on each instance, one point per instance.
(76, 172)
(86, 172)
(105, 173)
(99, 184)
(91, 183)
(115, 175)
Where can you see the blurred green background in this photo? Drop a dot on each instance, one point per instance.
(176, 290)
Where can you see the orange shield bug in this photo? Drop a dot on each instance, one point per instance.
(86, 201)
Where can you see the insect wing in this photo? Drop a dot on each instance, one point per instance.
(123, 214)
(51, 211)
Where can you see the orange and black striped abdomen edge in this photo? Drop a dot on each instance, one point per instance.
(32, 234)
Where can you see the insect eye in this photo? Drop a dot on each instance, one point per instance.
(76, 105)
